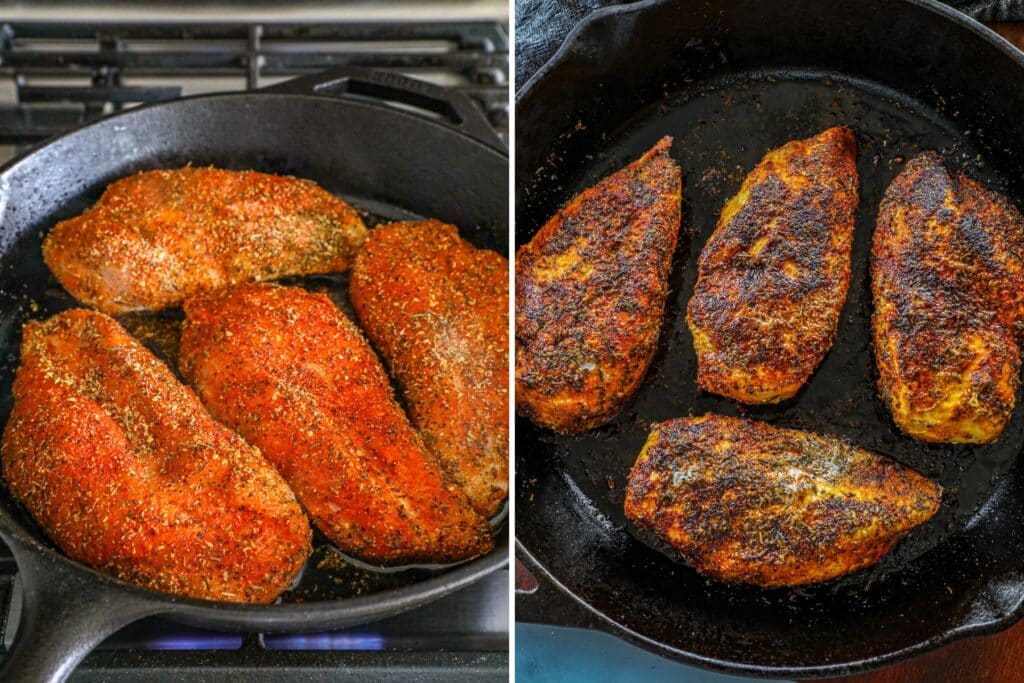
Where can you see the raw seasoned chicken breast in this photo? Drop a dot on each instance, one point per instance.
(295, 377)
(436, 308)
(157, 237)
(126, 471)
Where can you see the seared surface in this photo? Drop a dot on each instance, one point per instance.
(295, 377)
(437, 310)
(157, 237)
(127, 472)
(743, 501)
(773, 277)
(590, 295)
(946, 269)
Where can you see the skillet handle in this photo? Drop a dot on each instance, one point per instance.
(66, 612)
(454, 108)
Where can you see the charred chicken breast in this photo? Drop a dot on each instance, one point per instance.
(157, 237)
(743, 501)
(437, 310)
(590, 295)
(296, 378)
(126, 471)
(948, 285)
(773, 277)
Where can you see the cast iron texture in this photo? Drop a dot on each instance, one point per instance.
(339, 128)
(731, 80)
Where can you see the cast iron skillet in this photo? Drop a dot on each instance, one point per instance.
(434, 155)
(730, 80)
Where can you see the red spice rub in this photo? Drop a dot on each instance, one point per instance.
(296, 378)
(127, 472)
(436, 308)
(157, 237)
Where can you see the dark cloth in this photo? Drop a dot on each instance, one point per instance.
(541, 25)
(991, 10)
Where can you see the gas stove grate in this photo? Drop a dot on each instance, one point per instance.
(62, 75)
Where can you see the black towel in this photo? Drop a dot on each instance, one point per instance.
(541, 25)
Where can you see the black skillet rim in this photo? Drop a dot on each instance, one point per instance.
(284, 615)
(565, 54)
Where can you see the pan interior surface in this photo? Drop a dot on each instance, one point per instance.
(339, 164)
(574, 485)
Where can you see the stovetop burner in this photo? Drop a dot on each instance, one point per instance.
(461, 636)
(60, 75)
